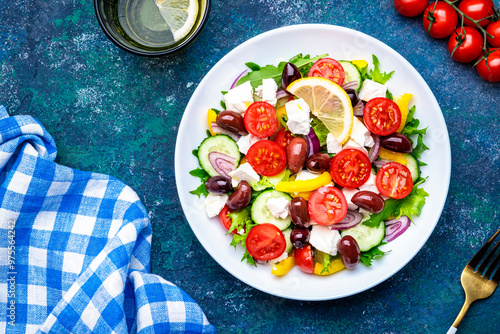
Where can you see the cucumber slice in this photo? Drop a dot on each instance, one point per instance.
(218, 143)
(286, 234)
(351, 73)
(366, 236)
(261, 214)
(412, 165)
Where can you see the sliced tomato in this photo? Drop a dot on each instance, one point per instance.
(382, 116)
(350, 168)
(225, 220)
(304, 259)
(283, 137)
(394, 180)
(267, 158)
(260, 119)
(327, 205)
(328, 68)
(265, 242)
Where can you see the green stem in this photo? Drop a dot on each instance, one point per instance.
(476, 22)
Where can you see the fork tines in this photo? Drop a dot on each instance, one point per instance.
(487, 266)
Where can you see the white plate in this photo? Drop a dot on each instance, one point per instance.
(271, 48)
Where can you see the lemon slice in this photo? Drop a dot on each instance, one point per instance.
(180, 15)
(328, 102)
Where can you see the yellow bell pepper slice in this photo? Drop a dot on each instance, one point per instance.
(283, 267)
(360, 63)
(211, 117)
(402, 102)
(393, 156)
(335, 266)
(304, 194)
(304, 185)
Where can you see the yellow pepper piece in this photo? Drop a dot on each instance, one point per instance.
(393, 156)
(211, 117)
(305, 194)
(402, 102)
(283, 267)
(281, 111)
(335, 266)
(304, 185)
(360, 63)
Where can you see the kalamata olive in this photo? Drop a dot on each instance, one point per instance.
(231, 121)
(318, 162)
(219, 184)
(290, 74)
(299, 212)
(300, 237)
(349, 251)
(353, 95)
(296, 153)
(397, 142)
(369, 201)
(241, 197)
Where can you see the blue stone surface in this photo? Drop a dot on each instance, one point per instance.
(116, 113)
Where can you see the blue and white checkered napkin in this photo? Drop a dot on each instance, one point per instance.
(75, 248)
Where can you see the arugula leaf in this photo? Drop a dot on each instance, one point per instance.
(389, 95)
(376, 218)
(368, 256)
(252, 66)
(241, 220)
(376, 75)
(420, 148)
(203, 175)
(412, 204)
(411, 129)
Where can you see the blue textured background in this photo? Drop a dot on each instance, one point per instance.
(116, 113)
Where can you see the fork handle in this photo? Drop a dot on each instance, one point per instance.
(452, 330)
(460, 316)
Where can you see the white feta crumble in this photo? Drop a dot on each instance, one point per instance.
(246, 141)
(298, 117)
(348, 193)
(244, 172)
(279, 207)
(304, 175)
(324, 239)
(371, 89)
(267, 91)
(370, 185)
(214, 204)
(239, 98)
(278, 259)
(332, 145)
(352, 144)
(360, 134)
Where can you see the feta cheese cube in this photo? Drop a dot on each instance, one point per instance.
(246, 141)
(279, 207)
(352, 144)
(324, 239)
(370, 185)
(304, 175)
(371, 89)
(298, 117)
(360, 134)
(332, 145)
(348, 193)
(267, 91)
(244, 172)
(214, 204)
(239, 98)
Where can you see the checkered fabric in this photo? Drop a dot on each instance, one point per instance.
(75, 248)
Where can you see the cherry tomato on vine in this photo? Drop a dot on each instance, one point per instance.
(444, 19)
(477, 10)
(471, 44)
(265, 242)
(492, 71)
(328, 68)
(350, 168)
(493, 29)
(260, 119)
(410, 8)
(382, 116)
(304, 259)
(327, 205)
(394, 180)
(267, 158)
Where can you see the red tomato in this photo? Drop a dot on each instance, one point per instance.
(444, 19)
(492, 71)
(493, 29)
(225, 220)
(410, 8)
(304, 259)
(477, 10)
(471, 44)
(265, 242)
(394, 180)
(327, 205)
(328, 68)
(267, 158)
(350, 168)
(382, 116)
(283, 137)
(260, 119)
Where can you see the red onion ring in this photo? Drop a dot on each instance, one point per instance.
(395, 227)
(373, 153)
(358, 109)
(242, 74)
(352, 219)
(350, 85)
(222, 163)
(313, 141)
(281, 93)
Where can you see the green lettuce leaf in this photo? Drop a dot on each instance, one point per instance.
(242, 220)
(376, 75)
(412, 204)
(368, 256)
(320, 130)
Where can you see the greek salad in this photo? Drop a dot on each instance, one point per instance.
(312, 163)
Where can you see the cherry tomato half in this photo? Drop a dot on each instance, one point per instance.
(328, 68)
(283, 137)
(394, 180)
(471, 47)
(382, 116)
(327, 205)
(225, 220)
(410, 8)
(260, 119)
(350, 168)
(477, 10)
(265, 242)
(267, 158)
(444, 19)
(493, 29)
(304, 259)
(492, 71)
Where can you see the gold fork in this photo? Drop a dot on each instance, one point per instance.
(480, 283)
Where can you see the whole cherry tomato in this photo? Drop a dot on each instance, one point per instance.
(493, 29)
(410, 8)
(440, 19)
(465, 44)
(477, 10)
(492, 71)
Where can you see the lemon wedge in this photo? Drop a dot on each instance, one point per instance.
(180, 15)
(328, 102)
